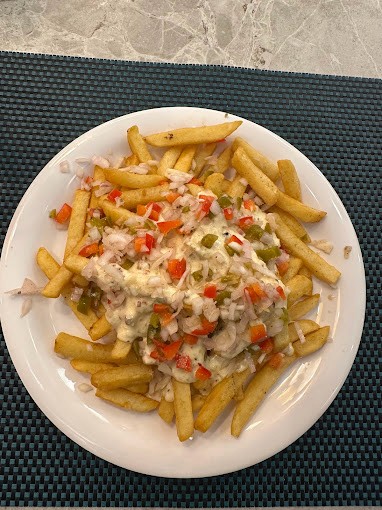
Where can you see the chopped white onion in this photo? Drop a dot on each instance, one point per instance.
(76, 294)
(84, 387)
(26, 306)
(100, 161)
(250, 362)
(323, 245)
(28, 288)
(64, 167)
(299, 332)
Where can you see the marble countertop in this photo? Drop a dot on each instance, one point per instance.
(316, 36)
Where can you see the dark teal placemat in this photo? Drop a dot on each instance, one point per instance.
(48, 101)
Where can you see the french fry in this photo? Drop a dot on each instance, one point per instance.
(90, 367)
(305, 272)
(301, 308)
(120, 350)
(194, 189)
(80, 281)
(48, 265)
(50, 268)
(294, 266)
(75, 263)
(220, 396)
(197, 402)
(224, 160)
(306, 326)
(117, 215)
(263, 380)
(267, 166)
(128, 400)
(120, 377)
(184, 161)
(131, 160)
(204, 151)
(142, 388)
(191, 136)
(134, 197)
(75, 347)
(138, 145)
(86, 319)
(299, 210)
(281, 340)
(236, 188)
(63, 276)
(313, 342)
(319, 267)
(77, 220)
(131, 180)
(214, 182)
(291, 222)
(166, 410)
(100, 328)
(184, 417)
(255, 393)
(169, 159)
(299, 286)
(289, 178)
(259, 182)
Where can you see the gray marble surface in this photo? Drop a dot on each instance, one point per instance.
(317, 36)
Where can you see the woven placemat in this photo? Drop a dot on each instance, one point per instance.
(47, 101)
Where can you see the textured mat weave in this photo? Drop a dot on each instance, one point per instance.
(336, 122)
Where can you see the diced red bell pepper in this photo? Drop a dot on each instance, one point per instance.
(166, 226)
(245, 222)
(183, 362)
(267, 345)
(63, 214)
(249, 205)
(234, 239)
(139, 243)
(281, 292)
(228, 213)
(141, 210)
(276, 360)
(176, 268)
(258, 333)
(89, 250)
(205, 206)
(165, 318)
(172, 196)
(220, 141)
(210, 291)
(255, 292)
(206, 328)
(150, 242)
(156, 355)
(171, 350)
(282, 267)
(114, 194)
(202, 373)
(196, 181)
(155, 211)
(190, 339)
(161, 308)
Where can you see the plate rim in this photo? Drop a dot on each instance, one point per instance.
(56, 420)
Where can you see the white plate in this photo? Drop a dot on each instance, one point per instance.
(144, 443)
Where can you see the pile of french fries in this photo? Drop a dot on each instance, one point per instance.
(116, 371)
